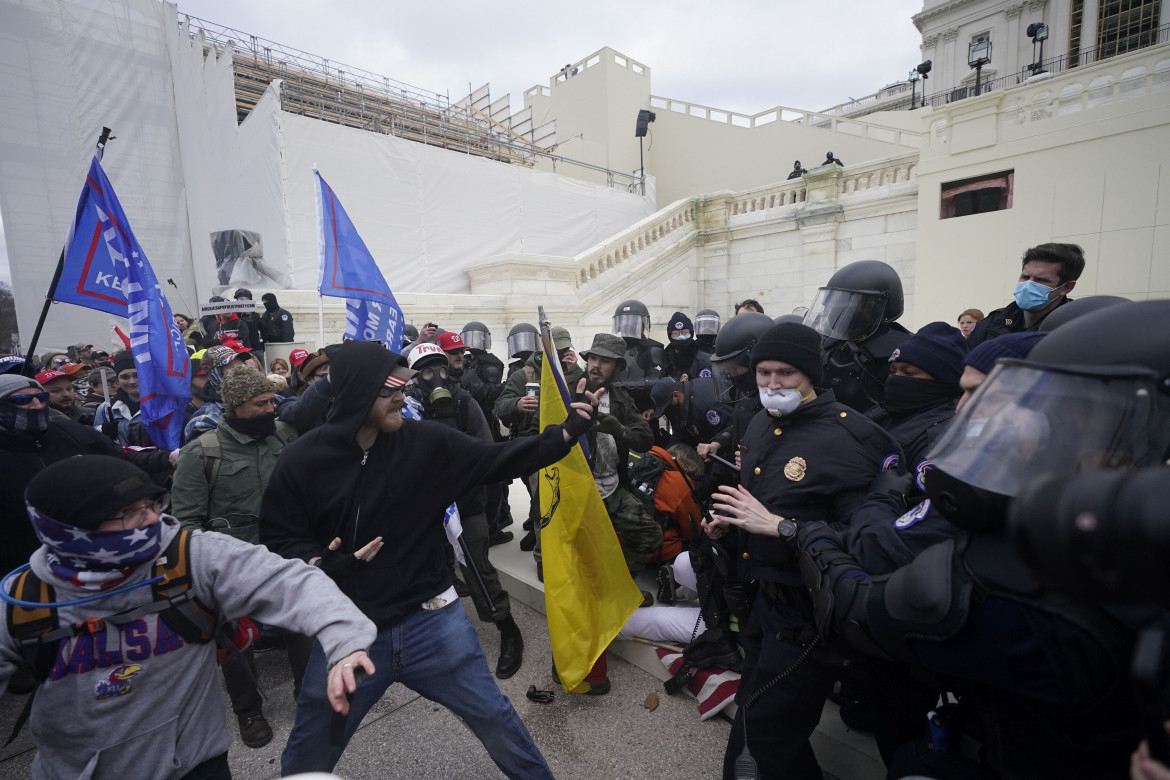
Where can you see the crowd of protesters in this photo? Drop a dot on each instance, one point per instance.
(820, 544)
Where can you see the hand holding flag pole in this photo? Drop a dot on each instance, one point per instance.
(32, 347)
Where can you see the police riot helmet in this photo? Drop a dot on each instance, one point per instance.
(1087, 397)
(631, 320)
(476, 336)
(798, 319)
(1069, 311)
(857, 301)
(707, 326)
(733, 347)
(522, 340)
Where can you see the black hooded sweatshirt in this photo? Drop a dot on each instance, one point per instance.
(326, 486)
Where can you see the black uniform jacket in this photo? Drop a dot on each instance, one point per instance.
(813, 464)
(326, 486)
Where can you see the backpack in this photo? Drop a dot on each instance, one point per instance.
(38, 631)
(213, 450)
(644, 471)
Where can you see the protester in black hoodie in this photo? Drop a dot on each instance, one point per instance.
(368, 476)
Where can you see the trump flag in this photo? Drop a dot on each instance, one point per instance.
(348, 271)
(588, 592)
(106, 269)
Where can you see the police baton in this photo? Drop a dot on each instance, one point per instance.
(483, 589)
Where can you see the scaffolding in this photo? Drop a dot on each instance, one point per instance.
(315, 87)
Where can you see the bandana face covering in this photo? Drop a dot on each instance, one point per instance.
(258, 427)
(22, 420)
(95, 560)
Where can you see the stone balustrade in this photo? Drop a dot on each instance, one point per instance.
(854, 127)
(1041, 98)
(676, 222)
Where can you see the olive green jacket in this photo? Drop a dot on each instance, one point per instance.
(232, 506)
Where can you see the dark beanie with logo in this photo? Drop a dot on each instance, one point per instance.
(937, 348)
(680, 321)
(793, 343)
(123, 361)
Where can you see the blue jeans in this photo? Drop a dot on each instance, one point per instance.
(436, 654)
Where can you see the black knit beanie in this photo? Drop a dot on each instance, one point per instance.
(83, 491)
(792, 343)
(123, 361)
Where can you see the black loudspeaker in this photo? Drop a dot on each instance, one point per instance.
(644, 119)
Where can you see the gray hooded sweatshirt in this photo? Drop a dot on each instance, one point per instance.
(141, 701)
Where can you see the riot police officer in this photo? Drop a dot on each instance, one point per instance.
(706, 329)
(522, 342)
(1040, 674)
(734, 384)
(483, 378)
(644, 356)
(682, 358)
(856, 312)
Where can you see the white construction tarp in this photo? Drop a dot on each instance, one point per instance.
(184, 170)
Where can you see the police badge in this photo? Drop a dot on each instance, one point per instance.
(794, 469)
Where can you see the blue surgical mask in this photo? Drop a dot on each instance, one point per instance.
(1033, 296)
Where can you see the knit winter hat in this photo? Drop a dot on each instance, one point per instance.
(937, 348)
(123, 361)
(1009, 345)
(792, 343)
(84, 491)
(10, 383)
(241, 386)
(679, 321)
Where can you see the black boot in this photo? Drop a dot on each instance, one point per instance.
(511, 648)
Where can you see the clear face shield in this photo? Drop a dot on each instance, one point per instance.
(631, 326)
(730, 382)
(845, 314)
(1028, 420)
(707, 325)
(477, 339)
(521, 342)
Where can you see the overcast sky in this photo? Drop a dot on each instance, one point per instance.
(738, 55)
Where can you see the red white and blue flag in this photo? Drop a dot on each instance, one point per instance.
(106, 269)
(348, 271)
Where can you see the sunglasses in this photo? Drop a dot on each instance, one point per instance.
(25, 399)
(389, 392)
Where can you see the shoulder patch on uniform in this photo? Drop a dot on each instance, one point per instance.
(891, 461)
(920, 473)
(913, 516)
(284, 317)
(706, 372)
(713, 417)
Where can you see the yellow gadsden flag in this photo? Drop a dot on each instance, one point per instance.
(588, 592)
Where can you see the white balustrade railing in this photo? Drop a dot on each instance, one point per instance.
(648, 237)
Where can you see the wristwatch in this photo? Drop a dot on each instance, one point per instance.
(786, 528)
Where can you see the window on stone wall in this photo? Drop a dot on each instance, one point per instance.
(1126, 25)
(979, 195)
(1074, 33)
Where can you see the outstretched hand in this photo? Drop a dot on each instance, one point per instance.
(342, 680)
(578, 424)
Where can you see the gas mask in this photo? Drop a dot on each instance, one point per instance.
(432, 381)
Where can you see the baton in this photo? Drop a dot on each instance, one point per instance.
(724, 461)
(492, 608)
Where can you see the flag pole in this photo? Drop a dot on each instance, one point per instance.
(320, 320)
(32, 347)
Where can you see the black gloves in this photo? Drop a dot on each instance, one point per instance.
(110, 428)
(607, 423)
(338, 564)
(577, 426)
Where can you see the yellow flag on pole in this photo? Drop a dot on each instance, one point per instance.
(588, 592)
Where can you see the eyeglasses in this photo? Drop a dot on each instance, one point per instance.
(133, 516)
(25, 399)
(389, 392)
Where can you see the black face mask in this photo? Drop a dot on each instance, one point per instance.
(907, 394)
(257, 427)
(745, 383)
(271, 306)
(684, 348)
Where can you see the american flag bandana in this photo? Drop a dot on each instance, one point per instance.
(95, 560)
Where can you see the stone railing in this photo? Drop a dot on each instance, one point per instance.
(786, 194)
(855, 127)
(1045, 97)
(871, 176)
(648, 238)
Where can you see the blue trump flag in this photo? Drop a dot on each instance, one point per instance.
(348, 271)
(106, 269)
